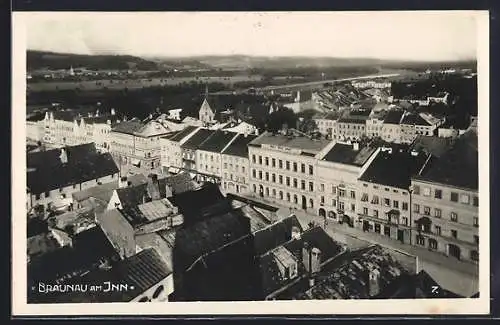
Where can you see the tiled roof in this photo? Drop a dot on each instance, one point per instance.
(393, 117)
(217, 141)
(345, 154)
(196, 139)
(46, 171)
(180, 183)
(414, 119)
(182, 134)
(128, 127)
(459, 166)
(40, 244)
(394, 169)
(239, 147)
(436, 146)
(105, 191)
(303, 143)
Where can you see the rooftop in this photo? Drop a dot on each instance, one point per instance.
(458, 166)
(345, 154)
(239, 147)
(196, 139)
(129, 127)
(302, 143)
(105, 191)
(46, 170)
(393, 117)
(433, 145)
(182, 134)
(414, 119)
(217, 141)
(275, 235)
(394, 169)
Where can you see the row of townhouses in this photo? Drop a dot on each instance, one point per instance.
(410, 193)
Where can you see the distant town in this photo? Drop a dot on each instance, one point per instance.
(192, 183)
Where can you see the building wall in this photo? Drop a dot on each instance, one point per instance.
(57, 196)
(206, 114)
(171, 153)
(349, 131)
(279, 184)
(159, 292)
(235, 174)
(391, 133)
(189, 159)
(209, 163)
(374, 128)
(450, 216)
(325, 126)
(128, 148)
(410, 132)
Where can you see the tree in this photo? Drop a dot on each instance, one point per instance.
(283, 116)
(307, 126)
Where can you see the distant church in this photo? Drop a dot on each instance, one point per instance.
(206, 114)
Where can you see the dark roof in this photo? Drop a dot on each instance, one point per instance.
(132, 196)
(239, 147)
(217, 141)
(275, 235)
(196, 139)
(394, 169)
(414, 119)
(182, 134)
(393, 117)
(307, 145)
(46, 171)
(129, 127)
(459, 166)
(436, 146)
(425, 284)
(351, 119)
(180, 183)
(208, 235)
(345, 154)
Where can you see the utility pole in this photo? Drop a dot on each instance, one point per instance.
(410, 191)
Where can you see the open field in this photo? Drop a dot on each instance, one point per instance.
(134, 83)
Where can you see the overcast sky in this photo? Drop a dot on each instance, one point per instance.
(386, 35)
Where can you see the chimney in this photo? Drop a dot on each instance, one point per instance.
(123, 182)
(414, 153)
(113, 112)
(373, 282)
(63, 156)
(295, 233)
(153, 187)
(355, 146)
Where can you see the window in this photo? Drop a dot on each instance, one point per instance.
(375, 213)
(254, 173)
(334, 202)
(454, 234)
(273, 178)
(438, 194)
(453, 217)
(387, 202)
(365, 185)
(386, 189)
(47, 194)
(311, 187)
(267, 191)
(433, 244)
(287, 165)
(280, 177)
(225, 165)
(280, 163)
(437, 230)
(310, 170)
(242, 169)
(37, 196)
(273, 162)
(437, 213)
(475, 221)
(426, 191)
(158, 291)
(405, 206)
(465, 199)
(311, 203)
(254, 188)
(287, 181)
(260, 174)
(303, 168)
(420, 240)
(375, 199)
(476, 239)
(260, 160)
(61, 189)
(341, 193)
(427, 211)
(364, 197)
(288, 197)
(274, 192)
(266, 160)
(475, 201)
(353, 207)
(281, 195)
(303, 184)
(295, 199)
(416, 189)
(341, 206)
(295, 183)
(267, 177)
(454, 197)
(295, 167)
(416, 208)
(322, 187)
(353, 195)
(334, 189)
(322, 200)
(474, 256)
(365, 211)
(405, 221)
(395, 204)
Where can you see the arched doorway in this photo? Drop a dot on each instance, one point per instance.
(322, 212)
(332, 215)
(454, 251)
(304, 203)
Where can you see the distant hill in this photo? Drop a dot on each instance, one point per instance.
(54, 61)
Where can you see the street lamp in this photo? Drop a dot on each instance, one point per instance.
(410, 191)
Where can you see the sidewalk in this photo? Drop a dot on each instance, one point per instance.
(423, 254)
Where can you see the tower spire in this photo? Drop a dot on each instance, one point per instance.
(206, 91)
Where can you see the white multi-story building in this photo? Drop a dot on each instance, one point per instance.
(283, 168)
(391, 128)
(171, 152)
(349, 128)
(339, 168)
(364, 84)
(413, 125)
(236, 165)
(137, 142)
(209, 156)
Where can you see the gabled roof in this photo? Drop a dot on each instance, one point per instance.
(436, 146)
(105, 191)
(414, 119)
(182, 134)
(275, 235)
(239, 147)
(217, 141)
(129, 127)
(394, 169)
(196, 139)
(46, 172)
(458, 166)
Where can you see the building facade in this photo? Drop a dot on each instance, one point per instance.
(171, 152)
(349, 129)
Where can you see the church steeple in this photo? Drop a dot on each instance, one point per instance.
(206, 91)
